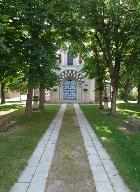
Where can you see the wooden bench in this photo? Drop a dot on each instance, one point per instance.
(5, 124)
(132, 124)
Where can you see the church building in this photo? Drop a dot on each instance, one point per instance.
(73, 86)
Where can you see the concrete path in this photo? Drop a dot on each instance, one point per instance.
(70, 170)
(34, 177)
(105, 174)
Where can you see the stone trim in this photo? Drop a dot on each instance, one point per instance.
(71, 74)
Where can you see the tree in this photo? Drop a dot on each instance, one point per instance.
(128, 73)
(43, 22)
(139, 89)
(40, 28)
(47, 75)
(8, 41)
(95, 68)
(3, 52)
(52, 80)
(136, 81)
(32, 17)
(4, 67)
(113, 24)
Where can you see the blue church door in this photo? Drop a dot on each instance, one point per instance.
(70, 89)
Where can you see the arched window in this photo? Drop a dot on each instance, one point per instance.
(69, 59)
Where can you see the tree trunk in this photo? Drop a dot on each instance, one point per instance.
(114, 75)
(41, 97)
(28, 109)
(139, 92)
(113, 101)
(101, 100)
(2, 93)
(126, 92)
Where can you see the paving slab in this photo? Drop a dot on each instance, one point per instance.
(105, 174)
(99, 173)
(110, 168)
(94, 160)
(19, 187)
(38, 183)
(34, 176)
(27, 175)
(91, 150)
(104, 186)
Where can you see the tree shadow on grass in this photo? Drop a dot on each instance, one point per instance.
(129, 107)
(128, 110)
(11, 106)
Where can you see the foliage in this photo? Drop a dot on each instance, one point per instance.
(16, 84)
(114, 27)
(94, 67)
(106, 33)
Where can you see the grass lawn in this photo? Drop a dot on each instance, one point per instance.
(17, 145)
(9, 108)
(124, 148)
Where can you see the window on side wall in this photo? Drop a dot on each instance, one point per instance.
(69, 59)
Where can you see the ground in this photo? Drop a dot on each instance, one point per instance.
(70, 160)
(124, 148)
(19, 142)
(70, 170)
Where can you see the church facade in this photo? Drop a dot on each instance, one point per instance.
(73, 86)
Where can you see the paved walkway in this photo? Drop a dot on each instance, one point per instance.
(105, 174)
(34, 177)
(70, 170)
(41, 169)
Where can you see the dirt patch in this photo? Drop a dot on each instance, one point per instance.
(130, 125)
(70, 170)
(14, 129)
(107, 111)
(128, 130)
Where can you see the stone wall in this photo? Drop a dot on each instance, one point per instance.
(12, 95)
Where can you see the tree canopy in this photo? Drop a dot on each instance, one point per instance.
(104, 32)
(114, 27)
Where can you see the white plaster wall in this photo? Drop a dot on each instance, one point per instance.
(64, 59)
(82, 96)
(91, 90)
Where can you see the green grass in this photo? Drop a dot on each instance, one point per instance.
(17, 145)
(8, 107)
(124, 148)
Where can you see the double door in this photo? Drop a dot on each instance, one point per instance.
(70, 90)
